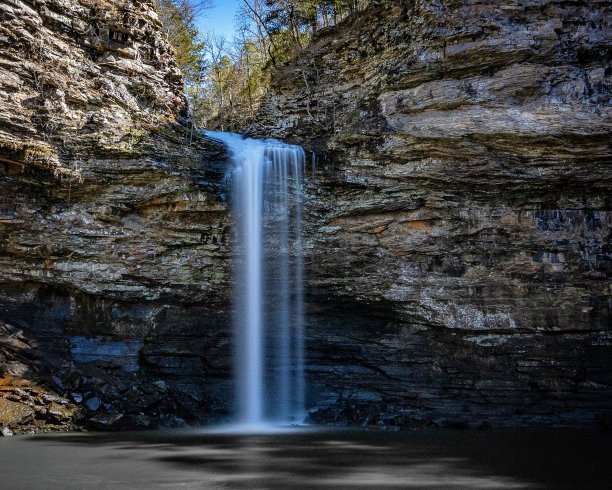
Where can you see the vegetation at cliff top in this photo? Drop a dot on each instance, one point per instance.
(178, 18)
(226, 80)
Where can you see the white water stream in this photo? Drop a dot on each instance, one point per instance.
(266, 192)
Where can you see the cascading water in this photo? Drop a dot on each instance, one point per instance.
(266, 181)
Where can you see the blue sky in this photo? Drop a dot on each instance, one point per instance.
(220, 19)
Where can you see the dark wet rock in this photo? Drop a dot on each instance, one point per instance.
(120, 422)
(93, 403)
(605, 420)
(113, 228)
(27, 401)
(105, 421)
(459, 220)
(122, 354)
(161, 384)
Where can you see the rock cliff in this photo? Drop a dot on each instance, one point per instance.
(113, 238)
(459, 218)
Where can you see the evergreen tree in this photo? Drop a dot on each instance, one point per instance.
(226, 81)
(178, 18)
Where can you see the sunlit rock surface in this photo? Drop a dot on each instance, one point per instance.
(113, 234)
(459, 220)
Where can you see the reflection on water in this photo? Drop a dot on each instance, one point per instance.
(308, 459)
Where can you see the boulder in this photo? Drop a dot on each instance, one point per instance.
(12, 414)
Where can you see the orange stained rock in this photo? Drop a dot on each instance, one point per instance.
(425, 226)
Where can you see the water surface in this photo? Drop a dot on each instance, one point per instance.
(309, 459)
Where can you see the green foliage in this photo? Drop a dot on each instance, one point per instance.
(178, 18)
(226, 81)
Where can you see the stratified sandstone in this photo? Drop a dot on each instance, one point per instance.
(24, 404)
(113, 240)
(98, 171)
(459, 224)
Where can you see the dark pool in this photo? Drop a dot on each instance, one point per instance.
(309, 459)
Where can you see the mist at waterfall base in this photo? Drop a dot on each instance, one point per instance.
(265, 180)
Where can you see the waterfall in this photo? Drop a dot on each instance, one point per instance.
(266, 192)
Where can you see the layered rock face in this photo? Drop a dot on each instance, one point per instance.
(113, 236)
(457, 233)
(459, 224)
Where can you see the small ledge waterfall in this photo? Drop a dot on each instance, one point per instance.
(266, 192)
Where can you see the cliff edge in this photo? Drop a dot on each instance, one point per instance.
(113, 235)
(459, 222)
